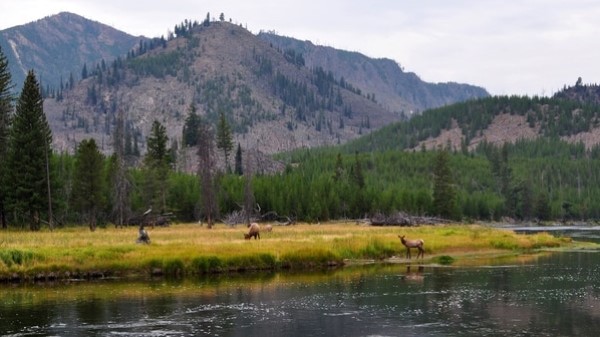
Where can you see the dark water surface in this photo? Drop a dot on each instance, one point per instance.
(556, 294)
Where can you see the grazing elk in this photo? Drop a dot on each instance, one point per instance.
(253, 232)
(413, 244)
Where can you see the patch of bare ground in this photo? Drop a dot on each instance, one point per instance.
(504, 128)
(589, 139)
(452, 136)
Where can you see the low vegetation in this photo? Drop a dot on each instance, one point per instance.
(189, 249)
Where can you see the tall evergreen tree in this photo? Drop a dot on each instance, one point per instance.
(5, 112)
(339, 168)
(224, 139)
(542, 206)
(444, 196)
(191, 127)
(239, 169)
(156, 162)
(359, 202)
(87, 190)
(357, 172)
(29, 149)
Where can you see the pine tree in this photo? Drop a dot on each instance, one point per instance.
(444, 195)
(29, 149)
(339, 169)
(156, 162)
(224, 139)
(87, 190)
(542, 206)
(358, 198)
(84, 72)
(190, 127)
(5, 112)
(239, 169)
(357, 173)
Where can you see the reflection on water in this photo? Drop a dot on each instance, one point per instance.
(554, 295)
(580, 232)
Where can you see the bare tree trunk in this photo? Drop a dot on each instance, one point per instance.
(249, 199)
(206, 158)
(50, 215)
(3, 215)
(92, 219)
(120, 179)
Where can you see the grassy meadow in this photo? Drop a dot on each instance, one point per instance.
(189, 249)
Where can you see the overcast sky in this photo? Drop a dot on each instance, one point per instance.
(524, 47)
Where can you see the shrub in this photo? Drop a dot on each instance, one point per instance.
(206, 264)
(173, 267)
(16, 256)
(444, 260)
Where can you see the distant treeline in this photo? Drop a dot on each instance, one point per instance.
(531, 180)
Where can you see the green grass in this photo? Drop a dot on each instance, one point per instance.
(189, 249)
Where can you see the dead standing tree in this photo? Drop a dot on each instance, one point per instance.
(120, 182)
(205, 172)
(249, 199)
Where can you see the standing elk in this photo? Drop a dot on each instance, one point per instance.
(413, 244)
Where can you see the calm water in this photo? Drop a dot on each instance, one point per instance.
(550, 295)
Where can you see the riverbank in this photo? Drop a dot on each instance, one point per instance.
(189, 249)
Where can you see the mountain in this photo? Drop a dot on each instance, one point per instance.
(394, 88)
(275, 98)
(58, 46)
(571, 115)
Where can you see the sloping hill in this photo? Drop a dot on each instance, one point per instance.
(566, 116)
(59, 45)
(275, 98)
(394, 88)
(272, 104)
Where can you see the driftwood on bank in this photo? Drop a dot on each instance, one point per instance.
(403, 219)
(240, 217)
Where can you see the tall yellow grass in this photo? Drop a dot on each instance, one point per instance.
(192, 249)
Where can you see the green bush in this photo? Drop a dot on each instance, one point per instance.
(173, 267)
(16, 256)
(444, 260)
(206, 264)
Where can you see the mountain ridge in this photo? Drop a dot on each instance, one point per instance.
(396, 89)
(273, 101)
(60, 44)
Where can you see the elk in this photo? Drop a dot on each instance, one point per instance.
(413, 244)
(253, 232)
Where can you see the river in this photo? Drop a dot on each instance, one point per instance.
(554, 294)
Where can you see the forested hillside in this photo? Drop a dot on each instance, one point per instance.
(136, 123)
(276, 97)
(481, 120)
(271, 100)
